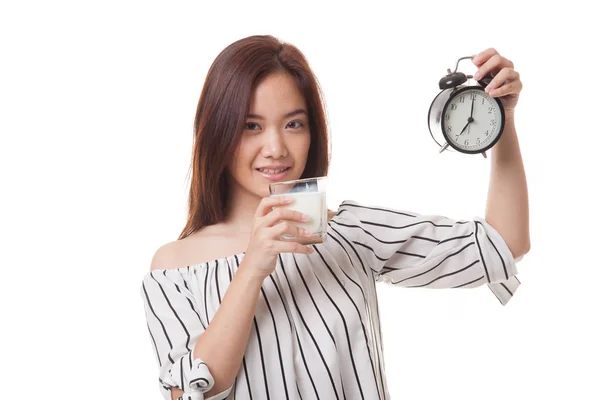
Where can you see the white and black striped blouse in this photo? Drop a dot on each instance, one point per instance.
(316, 332)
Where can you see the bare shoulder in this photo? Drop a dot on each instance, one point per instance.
(165, 257)
(179, 253)
(208, 244)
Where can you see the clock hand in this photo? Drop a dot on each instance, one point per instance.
(463, 129)
(470, 120)
(472, 104)
(444, 147)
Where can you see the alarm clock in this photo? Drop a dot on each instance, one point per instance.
(463, 116)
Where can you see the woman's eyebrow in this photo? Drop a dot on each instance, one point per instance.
(290, 114)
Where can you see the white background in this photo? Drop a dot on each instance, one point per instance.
(97, 101)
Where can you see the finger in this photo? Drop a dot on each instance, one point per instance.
(509, 88)
(505, 75)
(267, 203)
(313, 239)
(288, 228)
(492, 65)
(292, 247)
(484, 56)
(302, 235)
(279, 214)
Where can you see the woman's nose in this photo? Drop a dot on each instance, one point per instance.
(274, 144)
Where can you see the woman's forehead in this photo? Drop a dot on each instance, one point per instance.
(275, 96)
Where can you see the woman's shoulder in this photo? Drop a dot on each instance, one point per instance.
(165, 257)
(208, 244)
(172, 255)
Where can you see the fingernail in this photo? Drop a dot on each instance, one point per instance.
(287, 198)
(477, 75)
(306, 233)
(305, 217)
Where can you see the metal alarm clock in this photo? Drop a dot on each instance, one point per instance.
(463, 116)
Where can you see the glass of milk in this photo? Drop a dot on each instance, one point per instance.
(309, 198)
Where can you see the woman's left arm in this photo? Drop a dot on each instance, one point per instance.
(507, 208)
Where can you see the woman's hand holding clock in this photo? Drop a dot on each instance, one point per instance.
(506, 84)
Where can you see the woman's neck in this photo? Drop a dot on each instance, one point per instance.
(241, 209)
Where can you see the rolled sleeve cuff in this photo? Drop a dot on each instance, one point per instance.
(505, 290)
(193, 378)
(497, 260)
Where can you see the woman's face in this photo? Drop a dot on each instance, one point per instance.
(276, 132)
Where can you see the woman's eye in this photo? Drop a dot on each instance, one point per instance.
(251, 126)
(300, 124)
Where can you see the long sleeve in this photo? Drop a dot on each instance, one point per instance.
(175, 325)
(430, 251)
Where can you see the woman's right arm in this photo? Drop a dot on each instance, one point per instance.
(223, 344)
(220, 346)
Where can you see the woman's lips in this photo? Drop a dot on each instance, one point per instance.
(274, 177)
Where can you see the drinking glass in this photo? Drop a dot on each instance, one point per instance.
(309, 198)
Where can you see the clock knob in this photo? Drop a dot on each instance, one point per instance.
(452, 80)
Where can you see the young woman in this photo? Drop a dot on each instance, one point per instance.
(235, 312)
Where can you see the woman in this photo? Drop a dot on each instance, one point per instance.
(234, 312)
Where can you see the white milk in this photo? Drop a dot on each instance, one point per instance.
(313, 204)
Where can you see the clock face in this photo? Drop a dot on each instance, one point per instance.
(472, 121)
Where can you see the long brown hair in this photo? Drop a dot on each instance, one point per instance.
(221, 114)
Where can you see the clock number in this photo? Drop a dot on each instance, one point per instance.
(456, 138)
(447, 117)
(462, 99)
(449, 128)
(487, 132)
(478, 142)
(473, 96)
(490, 110)
(482, 100)
(453, 107)
(466, 142)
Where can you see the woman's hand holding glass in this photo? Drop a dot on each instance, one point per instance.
(265, 241)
